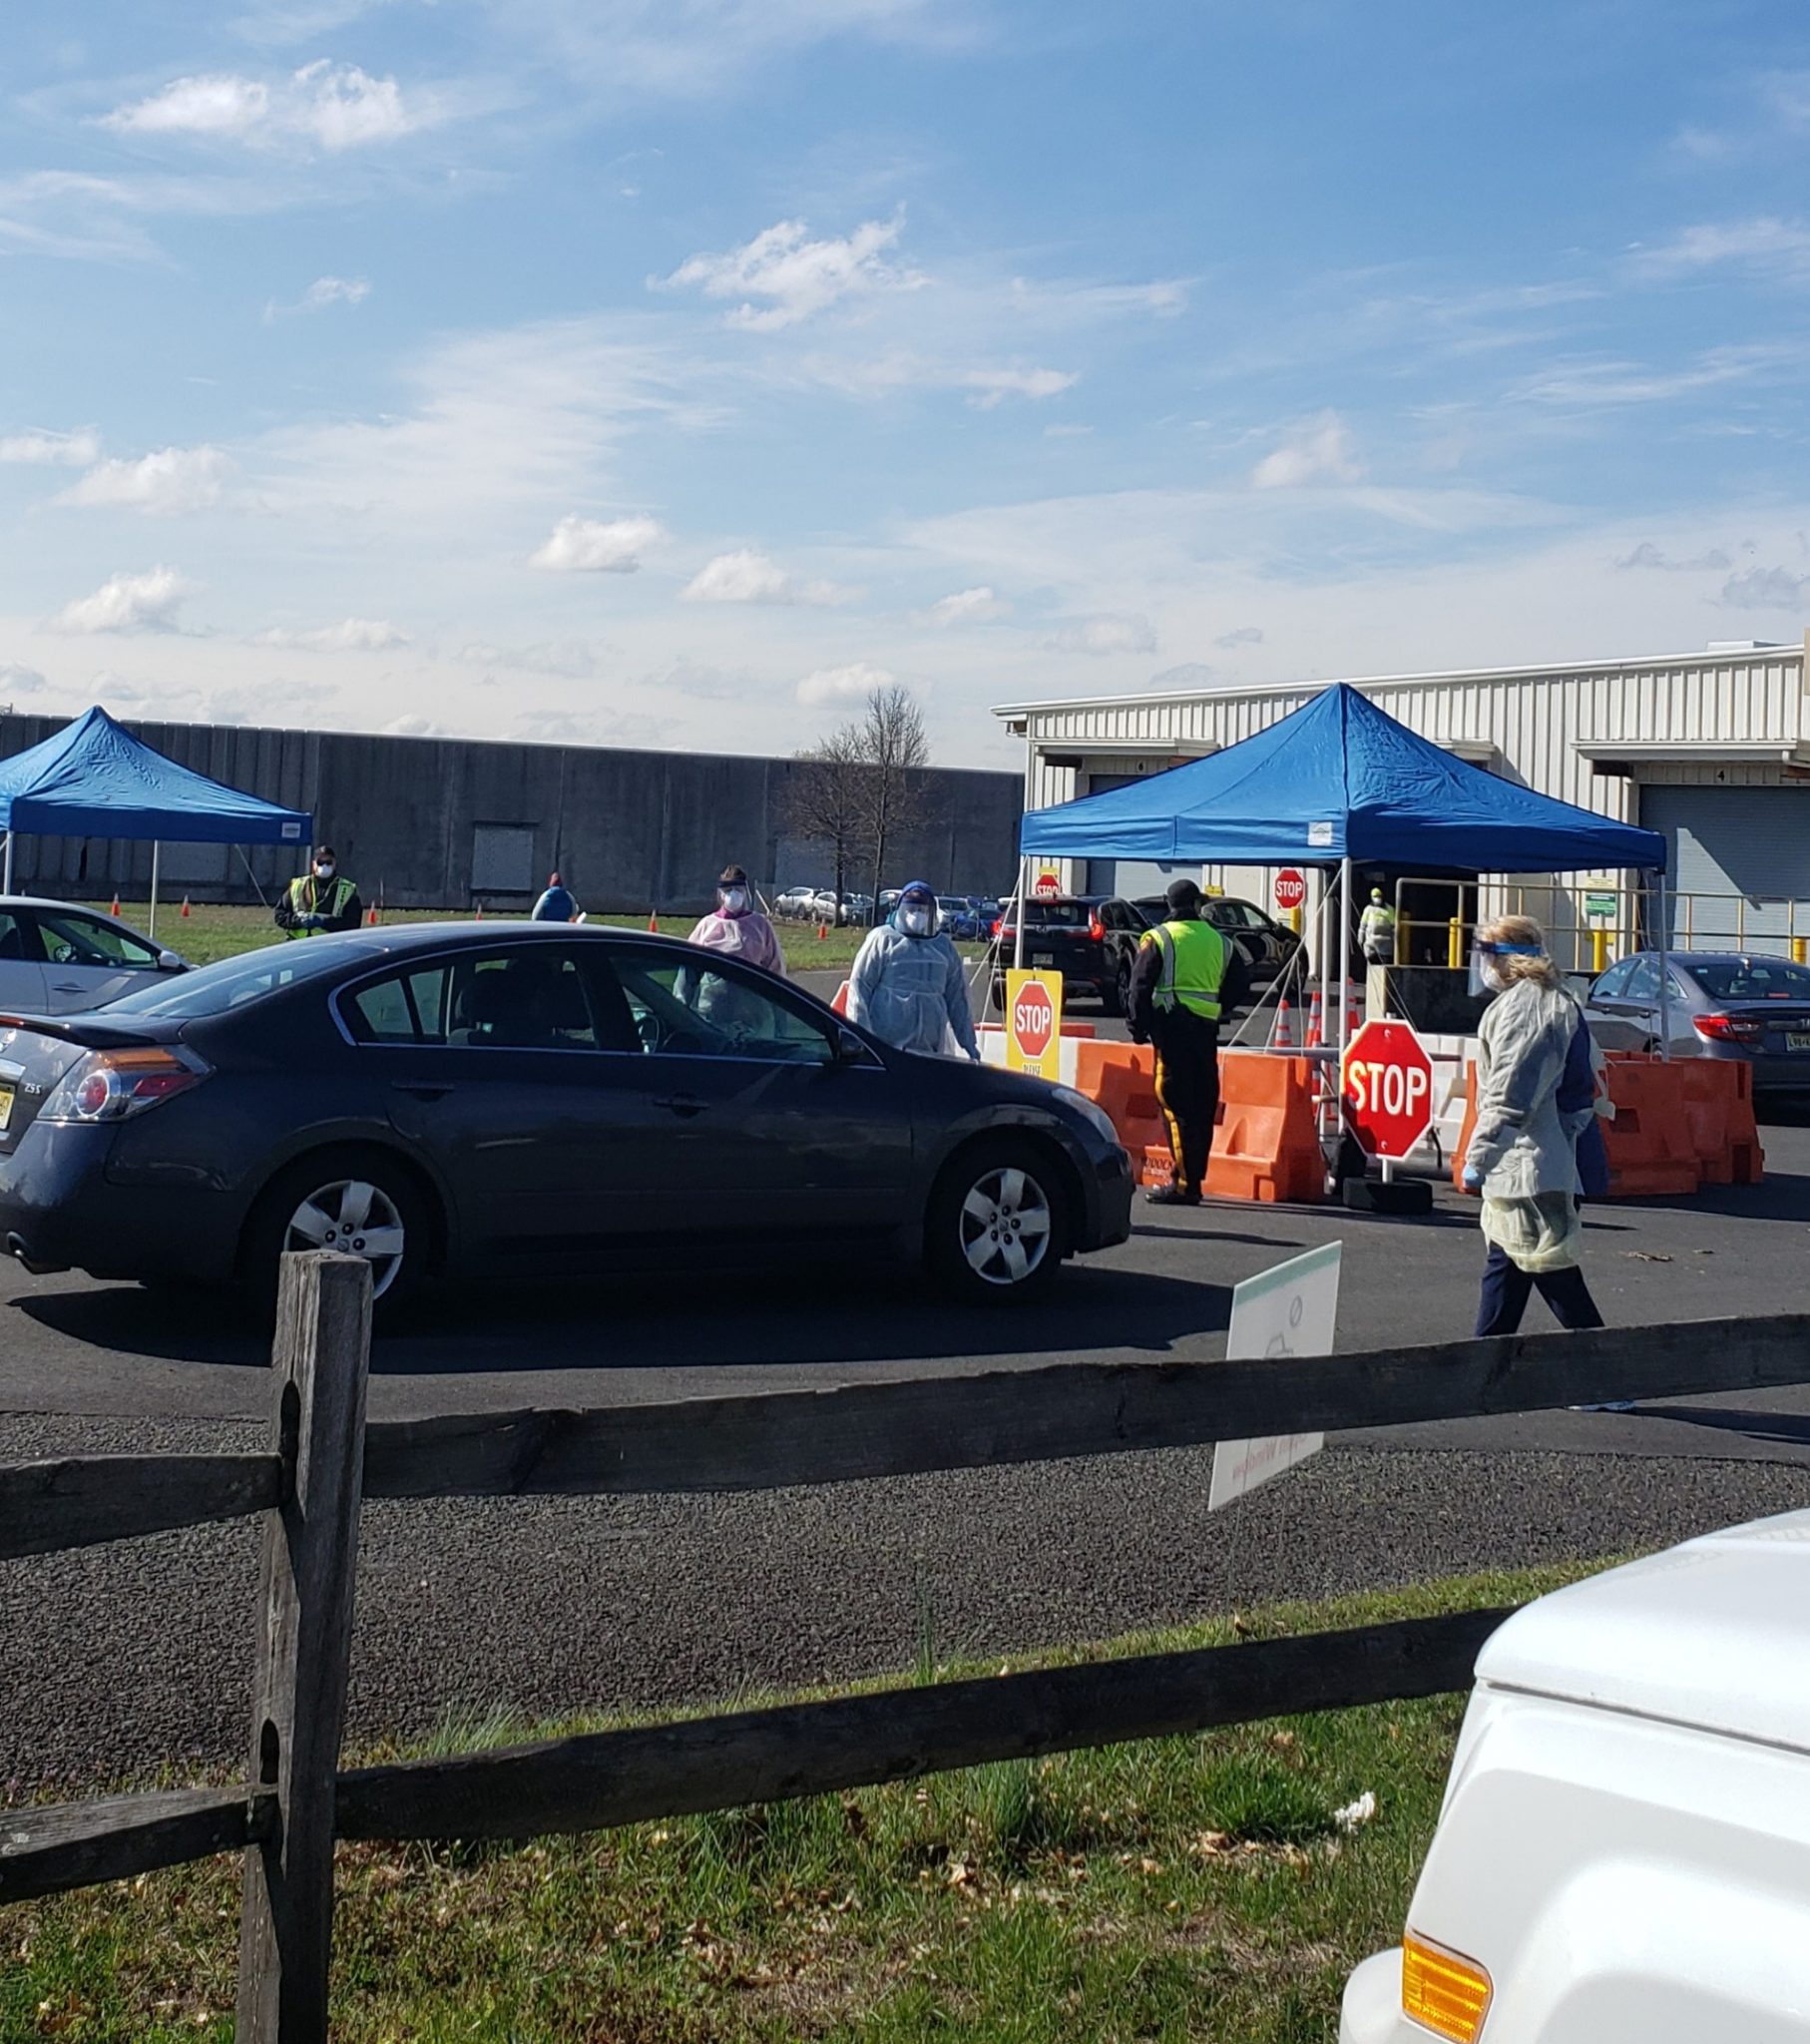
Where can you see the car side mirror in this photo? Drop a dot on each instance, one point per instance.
(850, 1050)
(171, 961)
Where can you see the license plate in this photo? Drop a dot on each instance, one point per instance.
(1795, 1040)
(6, 1107)
(1036, 958)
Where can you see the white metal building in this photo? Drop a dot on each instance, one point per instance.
(1710, 749)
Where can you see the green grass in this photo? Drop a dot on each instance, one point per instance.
(1189, 1889)
(210, 933)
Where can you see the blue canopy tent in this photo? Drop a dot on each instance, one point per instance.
(1336, 781)
(93, 779)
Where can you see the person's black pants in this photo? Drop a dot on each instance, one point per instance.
(1188, 1090)
(1507, 1288)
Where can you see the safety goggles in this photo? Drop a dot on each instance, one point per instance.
(1481, 950)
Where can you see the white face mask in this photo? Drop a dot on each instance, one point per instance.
(735, 900)
(916, 922)
(1493, 978)
(324, 872)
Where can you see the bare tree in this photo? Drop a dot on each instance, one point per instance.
(893, 751)
(823, 802)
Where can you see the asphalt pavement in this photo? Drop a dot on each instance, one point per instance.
(123, 1657)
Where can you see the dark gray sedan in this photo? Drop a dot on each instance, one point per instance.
(1719, 1004)
(474, 1102)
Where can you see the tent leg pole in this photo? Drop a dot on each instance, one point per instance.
(156, 847)
(1665, 975)
(6, 886)
(1018, 920)
(1344, 932)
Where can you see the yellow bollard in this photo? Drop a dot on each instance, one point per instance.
(1800, 950)
(1294, 920)
(1455, 943)
(1599, 953)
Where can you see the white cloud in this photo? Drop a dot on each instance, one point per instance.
(791, 277)
(900, 369)
(1766, 243)
(172, 481)
(1245, 635)
(1104, 635)
(590, 546)
(1319, 450)
(843, 684)
(35, 449)
(351, 635)
(1766, 589)
(323, 292)
(334, 106)
(970, 606)
(569, 660)
(18, 679)
(991, 386)
(128, 602)
(751, 576)
(1596, 383)
(412, 724)
(1646, 555)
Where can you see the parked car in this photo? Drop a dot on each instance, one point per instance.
(527, 1101)
(1089, 938)
(794, 903)
(1270, 947)
(1720, 1004)
(958, 917)
(58, 959)
(1623, 1853)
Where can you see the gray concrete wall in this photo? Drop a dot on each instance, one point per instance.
(630, 831)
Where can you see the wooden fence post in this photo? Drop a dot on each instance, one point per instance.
(305, 1589)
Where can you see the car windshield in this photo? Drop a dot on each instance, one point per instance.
(212, 990)
(1753, 979)
(1058, 915)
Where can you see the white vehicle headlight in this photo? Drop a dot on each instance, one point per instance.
(1088, 1110)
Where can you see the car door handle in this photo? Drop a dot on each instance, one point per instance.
(67, 986)
(422, 1088)
(682, 1103)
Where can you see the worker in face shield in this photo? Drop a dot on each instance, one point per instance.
(737, 927)
(908, 985)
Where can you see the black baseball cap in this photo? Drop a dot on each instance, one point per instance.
(1182, 895)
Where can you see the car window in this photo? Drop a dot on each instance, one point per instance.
(213, 989)
(70, 940)
(1058, 915)
(1753, 979)
(15, 939)
(518, 997)
(684, 1007)
(1609, 986)
(1644, 981)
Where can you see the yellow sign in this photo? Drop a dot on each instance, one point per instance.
(1034, 1023)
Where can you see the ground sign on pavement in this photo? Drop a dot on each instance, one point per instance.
(1288, 1311)
(1034, 1023)
(1388, 1087)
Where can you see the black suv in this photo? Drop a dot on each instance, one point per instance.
(1089, 938)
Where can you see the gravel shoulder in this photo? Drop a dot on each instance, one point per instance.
(127, 1657)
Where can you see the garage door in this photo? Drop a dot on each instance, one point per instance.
(1739, 856)
(1129, 877)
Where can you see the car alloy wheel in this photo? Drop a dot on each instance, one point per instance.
(357, 1219)
(1006, 1227)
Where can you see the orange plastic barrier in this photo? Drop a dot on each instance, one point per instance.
(1265, 1145)
(1718, 1113)
(1652, 1145)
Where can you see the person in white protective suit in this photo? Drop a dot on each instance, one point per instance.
(1522, 1157)
(908, 984)
(737, 927)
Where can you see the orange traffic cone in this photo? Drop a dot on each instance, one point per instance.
(115, 909)
(822, 932)
(370, 915)
(1316, 1019)
(654, 923)
(1282, 1030)
(185, 904)
(479, 917)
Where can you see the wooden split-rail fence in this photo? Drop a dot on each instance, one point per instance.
(323, 1460)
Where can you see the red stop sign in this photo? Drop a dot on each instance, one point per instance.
(1032, 1022)
(1291, 889)
(1388, 1086)
(1047, 885)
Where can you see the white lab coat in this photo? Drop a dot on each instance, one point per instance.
(912, 992)
(1524, 1148)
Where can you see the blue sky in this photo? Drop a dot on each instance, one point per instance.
(667, 372)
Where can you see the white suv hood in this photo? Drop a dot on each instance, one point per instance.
(1713, 1634)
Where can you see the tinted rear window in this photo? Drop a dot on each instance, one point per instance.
(1058, 915)
(212, 990)
(1753, 979)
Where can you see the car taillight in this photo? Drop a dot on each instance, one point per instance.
(1441, 1991)
(1729, 1028)
(1096, 928)
(112, 1084)
(999, 925)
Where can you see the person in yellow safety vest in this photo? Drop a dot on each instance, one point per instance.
(320, 901)
(1376, 931)
(1186, 975)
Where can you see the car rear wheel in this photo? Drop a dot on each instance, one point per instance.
(361, 1203)
(1116, 995)
(997, 1227)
